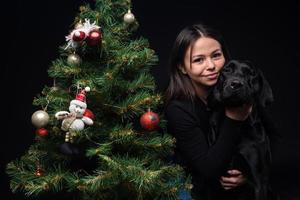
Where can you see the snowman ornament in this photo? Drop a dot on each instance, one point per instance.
(75, 120)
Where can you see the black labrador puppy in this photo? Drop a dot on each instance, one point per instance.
(241, 83)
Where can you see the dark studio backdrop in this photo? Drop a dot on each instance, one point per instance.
(264, 33)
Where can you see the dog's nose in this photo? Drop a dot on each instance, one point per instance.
(236, 84)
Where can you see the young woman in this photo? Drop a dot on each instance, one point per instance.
(196, 59)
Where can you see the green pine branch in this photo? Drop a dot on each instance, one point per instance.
(122, 160)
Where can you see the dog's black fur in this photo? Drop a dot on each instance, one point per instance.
(241, 83)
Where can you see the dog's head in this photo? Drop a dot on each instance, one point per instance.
(239, 83)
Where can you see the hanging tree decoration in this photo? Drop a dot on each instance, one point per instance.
(90, 27)
(78, 35)
(129, 17)
(79, 25)
(54, 87)
(39, 171)
(81, 32)
(94, 37)
(40, 119)
(41, 132)
(88, 113)
(74, 59)
(149, 120)
(75, 119)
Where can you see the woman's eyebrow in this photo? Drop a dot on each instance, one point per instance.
(201, 55)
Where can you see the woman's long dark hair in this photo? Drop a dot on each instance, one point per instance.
(180, 85)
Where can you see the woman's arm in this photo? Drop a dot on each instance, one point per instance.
(209, 162)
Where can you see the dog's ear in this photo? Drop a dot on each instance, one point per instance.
(214, 97)
(229, 65)
(217, 92)
(265, 94)
(248, 62)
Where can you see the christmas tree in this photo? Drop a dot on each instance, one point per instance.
(100, 132)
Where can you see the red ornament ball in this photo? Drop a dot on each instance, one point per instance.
(88, 113)
(39, 172)
(94, 38)
(149, 120)
(78, 36)
(41, 132)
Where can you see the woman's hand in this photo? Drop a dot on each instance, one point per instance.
(234, 179)
(239, 113)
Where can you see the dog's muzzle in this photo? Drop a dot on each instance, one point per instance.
(236, 84)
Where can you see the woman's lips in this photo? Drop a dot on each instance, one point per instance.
(212, 76)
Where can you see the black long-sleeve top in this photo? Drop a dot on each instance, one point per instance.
(189, 123)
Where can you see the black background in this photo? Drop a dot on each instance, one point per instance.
(265, 33)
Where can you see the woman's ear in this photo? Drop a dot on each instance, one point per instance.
(182, 69)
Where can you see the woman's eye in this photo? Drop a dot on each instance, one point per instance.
(198, 60)
(217, 55)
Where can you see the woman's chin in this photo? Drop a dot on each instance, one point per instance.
(211, 82)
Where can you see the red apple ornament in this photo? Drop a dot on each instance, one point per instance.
(78, 36)
(41, 132)
(88, 113)
(94, 38)
(149, 120)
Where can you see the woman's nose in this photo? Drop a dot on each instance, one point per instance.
(210, 64)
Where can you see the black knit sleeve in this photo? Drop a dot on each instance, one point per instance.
(206, 161)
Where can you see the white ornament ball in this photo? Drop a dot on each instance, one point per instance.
(129, 17)
(74, 59)
(40, 118)
(87, 89)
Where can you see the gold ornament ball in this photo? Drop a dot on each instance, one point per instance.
(40, 118)
(129, 17)
(54, 88)
(74, 59)
(78, 25)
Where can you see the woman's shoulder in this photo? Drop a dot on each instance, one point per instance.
(177, 106)
(183, 115)
(179, 103)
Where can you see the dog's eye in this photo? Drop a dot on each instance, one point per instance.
(248, 71)
(227, 69)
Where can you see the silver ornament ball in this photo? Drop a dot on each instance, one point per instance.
(40, 118)
(129, 17)
(74, 59)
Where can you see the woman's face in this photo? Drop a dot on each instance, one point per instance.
(203, 62)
